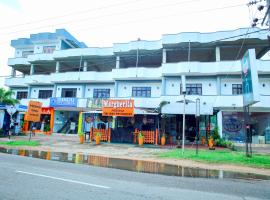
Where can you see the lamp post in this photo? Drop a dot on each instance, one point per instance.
(184, 101)
(197, 123)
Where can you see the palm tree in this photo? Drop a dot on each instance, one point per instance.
(158, 110)
(6, 97)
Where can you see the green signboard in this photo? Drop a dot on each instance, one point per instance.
(249, 78)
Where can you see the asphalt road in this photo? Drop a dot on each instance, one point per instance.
(25, 178)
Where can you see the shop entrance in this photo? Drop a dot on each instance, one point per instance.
(66, 122)
(174, 129)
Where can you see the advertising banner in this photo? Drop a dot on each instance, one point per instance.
(34, 111)
(116, 107)
(63, 102)
(250, 81)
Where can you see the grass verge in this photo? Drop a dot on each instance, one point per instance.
(20, 143)
(221, 156)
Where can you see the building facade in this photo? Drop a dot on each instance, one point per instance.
(67, 77)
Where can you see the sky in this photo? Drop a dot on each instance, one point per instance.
(100, 23)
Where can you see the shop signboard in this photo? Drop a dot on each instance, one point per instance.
(34, 111)
(118, 107)
(249, 78)
(94, 103)
(63, 102)
(46, 111)
(232, 125)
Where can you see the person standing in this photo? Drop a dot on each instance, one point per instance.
(87, 125)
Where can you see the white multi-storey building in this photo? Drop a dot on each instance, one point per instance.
(65, 75)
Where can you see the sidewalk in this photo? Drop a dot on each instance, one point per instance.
(70, 144)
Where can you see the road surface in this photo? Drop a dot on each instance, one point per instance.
(26, 178)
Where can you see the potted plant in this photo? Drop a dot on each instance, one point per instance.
(98, 137)
(163, 139)
(81, 136)
(211, 142)
(203, 140)
(140, 138)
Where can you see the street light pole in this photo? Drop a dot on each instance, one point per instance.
(184, 121)
(197, 123)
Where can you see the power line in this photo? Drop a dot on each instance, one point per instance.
(102, 16)
(132, 21)
(71, 13)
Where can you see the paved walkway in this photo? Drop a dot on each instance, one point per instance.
(70, 144)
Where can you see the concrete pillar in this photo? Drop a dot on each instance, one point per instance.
(54, 91)
(116, 89)
(57, 67)
(32, 69)
(217, 54)
(28, 92)
(219, 123)
(163, 86)
(218, 86)
(164, 56)
(117, 65)
(85, 66)
(13, 72)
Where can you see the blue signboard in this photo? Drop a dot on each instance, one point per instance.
(63, 102)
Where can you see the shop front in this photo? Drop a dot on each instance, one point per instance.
(66, 115)
(45, 125)
(233, 127)
(121, 119)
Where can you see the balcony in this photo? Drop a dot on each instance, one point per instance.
(18, 61)
(135, 73)
(77, 77)
(40, 57)
(45, 102)
(210, 68)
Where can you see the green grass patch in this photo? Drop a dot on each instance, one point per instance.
(20, 143)
(221, 156)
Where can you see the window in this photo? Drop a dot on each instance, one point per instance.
(236, 89)
(21, 95)
(192, 89)
(44, 94)
(69, 92)
(101, 93)
(27, 53)
(141, 91)
(48, 49)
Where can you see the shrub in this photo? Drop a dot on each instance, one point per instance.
(224, 143)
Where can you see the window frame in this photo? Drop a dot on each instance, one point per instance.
(21, 96)
(192, 89)
(101, 93)
(74, 91)
(237, 89)
(45, 96)
(144, 92)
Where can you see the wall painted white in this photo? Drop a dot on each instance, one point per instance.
(172, 85)
(80, 90)
(89, 90)
(38, 48)
(16, 90)
(226, 85)
(209, 85)
(125, 88)
(264, 86)
(35, 91)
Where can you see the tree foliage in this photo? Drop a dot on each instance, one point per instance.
(6, 97)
